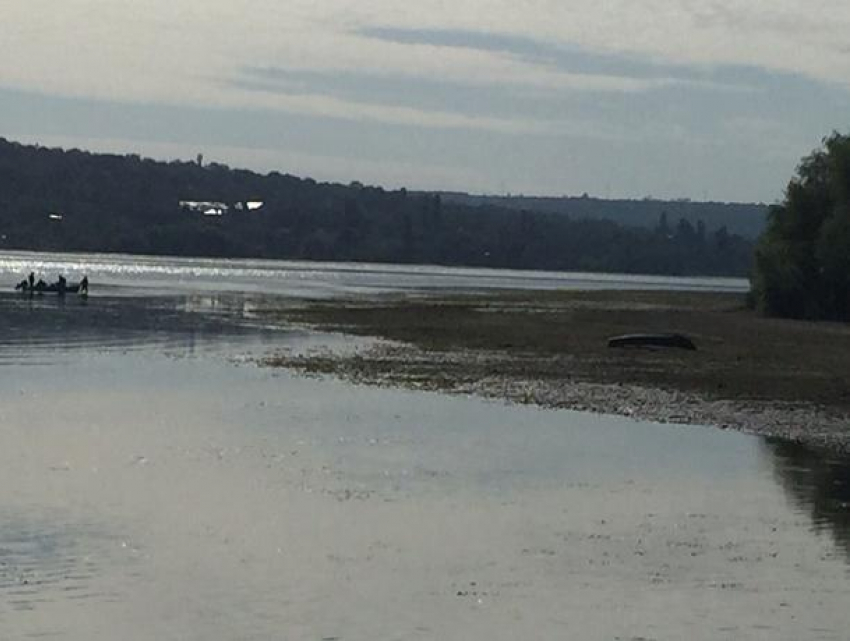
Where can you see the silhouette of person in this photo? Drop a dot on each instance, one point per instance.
(61, 284)
(31, 279)
(84, 285)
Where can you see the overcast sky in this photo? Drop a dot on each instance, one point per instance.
(708, 99)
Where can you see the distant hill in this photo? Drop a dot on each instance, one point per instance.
(745, 219)
(73, 200)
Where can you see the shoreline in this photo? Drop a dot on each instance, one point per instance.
(768, 377)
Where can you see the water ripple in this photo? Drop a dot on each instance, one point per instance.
(47, 329)
(44, 560)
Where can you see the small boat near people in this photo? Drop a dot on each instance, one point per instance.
(679, 341)
(60, 287)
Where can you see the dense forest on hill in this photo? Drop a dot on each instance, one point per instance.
(52, 199)
(745, 219)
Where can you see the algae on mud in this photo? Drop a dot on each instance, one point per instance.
(789, 379)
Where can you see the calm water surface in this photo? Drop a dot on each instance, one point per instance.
(156, 483)
(126, 274)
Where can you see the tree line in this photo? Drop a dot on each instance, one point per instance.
(745, 219)
(802, 261)
(57, 200)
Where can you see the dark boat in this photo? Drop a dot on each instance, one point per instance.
(70, 288)
(679, 341)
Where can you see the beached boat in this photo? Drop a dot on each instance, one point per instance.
(652, 340)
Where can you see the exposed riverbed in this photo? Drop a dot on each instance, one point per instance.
(770, 377)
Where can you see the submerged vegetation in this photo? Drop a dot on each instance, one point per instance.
(76, 201)
(802, 264)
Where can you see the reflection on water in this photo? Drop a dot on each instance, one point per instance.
(263, 504)
(41, 328)
(52, 560)
(817, 483)
(266, 504)
(120, 274)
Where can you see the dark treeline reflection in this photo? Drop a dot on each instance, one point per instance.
(817, 483)
(43, 324)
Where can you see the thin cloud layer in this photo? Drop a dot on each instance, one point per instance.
(167, 51)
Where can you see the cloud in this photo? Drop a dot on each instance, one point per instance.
(175, 52)
(790, 36)
(601, 70)
(449, 104)
(530, 50)
(279, 96)
(184, 54)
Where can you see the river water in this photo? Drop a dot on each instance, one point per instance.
(155, 483)
(132, 274)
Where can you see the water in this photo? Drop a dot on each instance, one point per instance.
(36, 326)
(156, 483)
(129, 274)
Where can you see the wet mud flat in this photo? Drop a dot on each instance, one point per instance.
(779, 378)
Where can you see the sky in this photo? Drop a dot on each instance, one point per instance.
(701, 99)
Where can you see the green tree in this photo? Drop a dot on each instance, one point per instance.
(802, 264)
